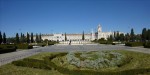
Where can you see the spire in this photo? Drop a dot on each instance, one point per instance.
(99, 28)
(99, 25)
(92, 31)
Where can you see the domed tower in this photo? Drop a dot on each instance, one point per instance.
(99, 30)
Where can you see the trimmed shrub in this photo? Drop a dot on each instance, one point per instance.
(147, 45)
(113, 43)
(103, 42)
(91, 72)
(24, 46)
(7, 48)
(47, 64)
(32, 63)
(95, 60)
(52, 42)
(109, 42)
(55, 55)
(41, 44)
(134, 44)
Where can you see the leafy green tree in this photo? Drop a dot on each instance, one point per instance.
(110, 38)
(31, 37)
(17, 38)
(11, 40)
(122, 37)
(83, 38)
(1, 38)
(4, 37)
(28, 40)
(65, 37)
(138, 37)
(132, 35)
(144, 34)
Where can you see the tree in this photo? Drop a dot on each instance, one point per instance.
(40, 38)
(132, 35)
(121, 37)
(110, 38)
(65, 37)
(23, 38)
(1, 40)
(127, 37)
(37, 38)
(138, 37)
(144, 34)
(4, 38)
(83, 38)
(17, 38)
(28, 40)
(11, 40)
(31, 37)
(114, 35)
(148, 34)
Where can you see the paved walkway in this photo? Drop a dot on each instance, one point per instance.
(9, 57)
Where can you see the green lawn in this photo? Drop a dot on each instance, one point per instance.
(10, 69)
(139, 61)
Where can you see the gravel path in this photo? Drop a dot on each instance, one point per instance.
(9, 57)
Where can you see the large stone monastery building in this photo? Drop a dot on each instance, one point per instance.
(78, 37)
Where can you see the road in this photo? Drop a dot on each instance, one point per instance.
(9, 57)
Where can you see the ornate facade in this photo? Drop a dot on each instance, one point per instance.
(78, 37)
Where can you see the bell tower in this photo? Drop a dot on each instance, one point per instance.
(99, 28)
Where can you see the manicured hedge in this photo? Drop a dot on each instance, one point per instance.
(90, 72)
(105, 42)
(33, 63)
(7, 48)
(24, 46)
(47, 64)
(52, 42)
(147, 45)
(40, 64)
(134, 44)
(113, 43)
(44, 43)
(41, 44)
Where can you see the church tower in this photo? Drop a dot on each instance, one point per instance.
(99, 30)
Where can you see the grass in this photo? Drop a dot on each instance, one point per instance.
(10, 69)
(139, 60)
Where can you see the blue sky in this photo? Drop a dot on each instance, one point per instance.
(73, 16)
